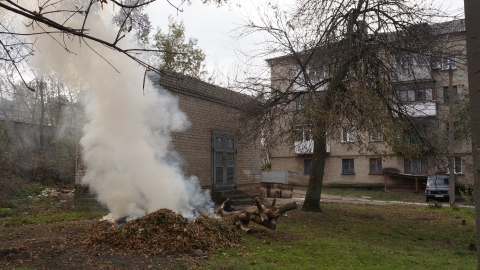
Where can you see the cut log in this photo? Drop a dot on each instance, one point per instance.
(257, 213)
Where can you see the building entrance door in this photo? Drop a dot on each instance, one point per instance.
(224, 160)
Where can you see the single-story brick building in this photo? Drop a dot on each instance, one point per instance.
(210, 148)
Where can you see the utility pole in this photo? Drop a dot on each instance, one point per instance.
(451, 134)
(472, 24)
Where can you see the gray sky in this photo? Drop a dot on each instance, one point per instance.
(213, 26)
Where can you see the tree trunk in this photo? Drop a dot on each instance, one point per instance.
(451, 137)
(472, 21)
(314, 190)
(258, 214)
(42, 117)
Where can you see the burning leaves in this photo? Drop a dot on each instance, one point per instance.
(163, 232)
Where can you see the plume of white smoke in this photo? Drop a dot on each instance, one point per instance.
(126, 142)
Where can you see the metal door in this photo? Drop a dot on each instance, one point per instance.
(224, 160)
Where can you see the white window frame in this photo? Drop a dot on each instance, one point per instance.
(447, 61)
(374, 136)
(348, 136)
(456, 159)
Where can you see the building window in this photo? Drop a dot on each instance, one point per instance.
(375, 165)
(425, 94)
(445, 94)
(303, 133)
(347, 166)
(411, 92)
(299, 82)
(416, 165)
(410, 95)
(448, 61)
(414, 60)
(347, 135)
(457, 165)
(374, 136)
(299, 105)
(307, 166)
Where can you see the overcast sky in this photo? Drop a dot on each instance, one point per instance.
(213, 26)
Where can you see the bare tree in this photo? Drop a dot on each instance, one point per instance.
(348, 60)
(66, 21)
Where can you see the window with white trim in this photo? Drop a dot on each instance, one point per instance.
(448, 61)
(348, 135)
(303, 133)
(457, 165)
(374, 136)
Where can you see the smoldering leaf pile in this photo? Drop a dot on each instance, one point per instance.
(163, 232)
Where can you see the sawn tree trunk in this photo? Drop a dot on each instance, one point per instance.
(258, 214)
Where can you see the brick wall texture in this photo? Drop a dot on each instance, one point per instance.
(211, 108)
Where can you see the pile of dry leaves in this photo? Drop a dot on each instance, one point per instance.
(163, 231)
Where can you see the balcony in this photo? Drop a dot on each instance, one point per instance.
(421, 108)
(306, 147)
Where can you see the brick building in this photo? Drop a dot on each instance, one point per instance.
(425, 92)
(210, 148)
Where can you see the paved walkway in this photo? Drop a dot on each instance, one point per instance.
(362, 200)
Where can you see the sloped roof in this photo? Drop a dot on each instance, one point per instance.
(190, 86)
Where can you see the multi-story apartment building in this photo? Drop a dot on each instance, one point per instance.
(425, 93)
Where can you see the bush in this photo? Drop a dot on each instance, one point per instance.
(434, 204)
(6, 212)
(27, 190)
(468, 194)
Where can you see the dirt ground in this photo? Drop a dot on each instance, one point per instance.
(59, 245)
(54, 246)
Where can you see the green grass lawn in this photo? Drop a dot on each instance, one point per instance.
(348, 236)
(344, 236)
(45, 210)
